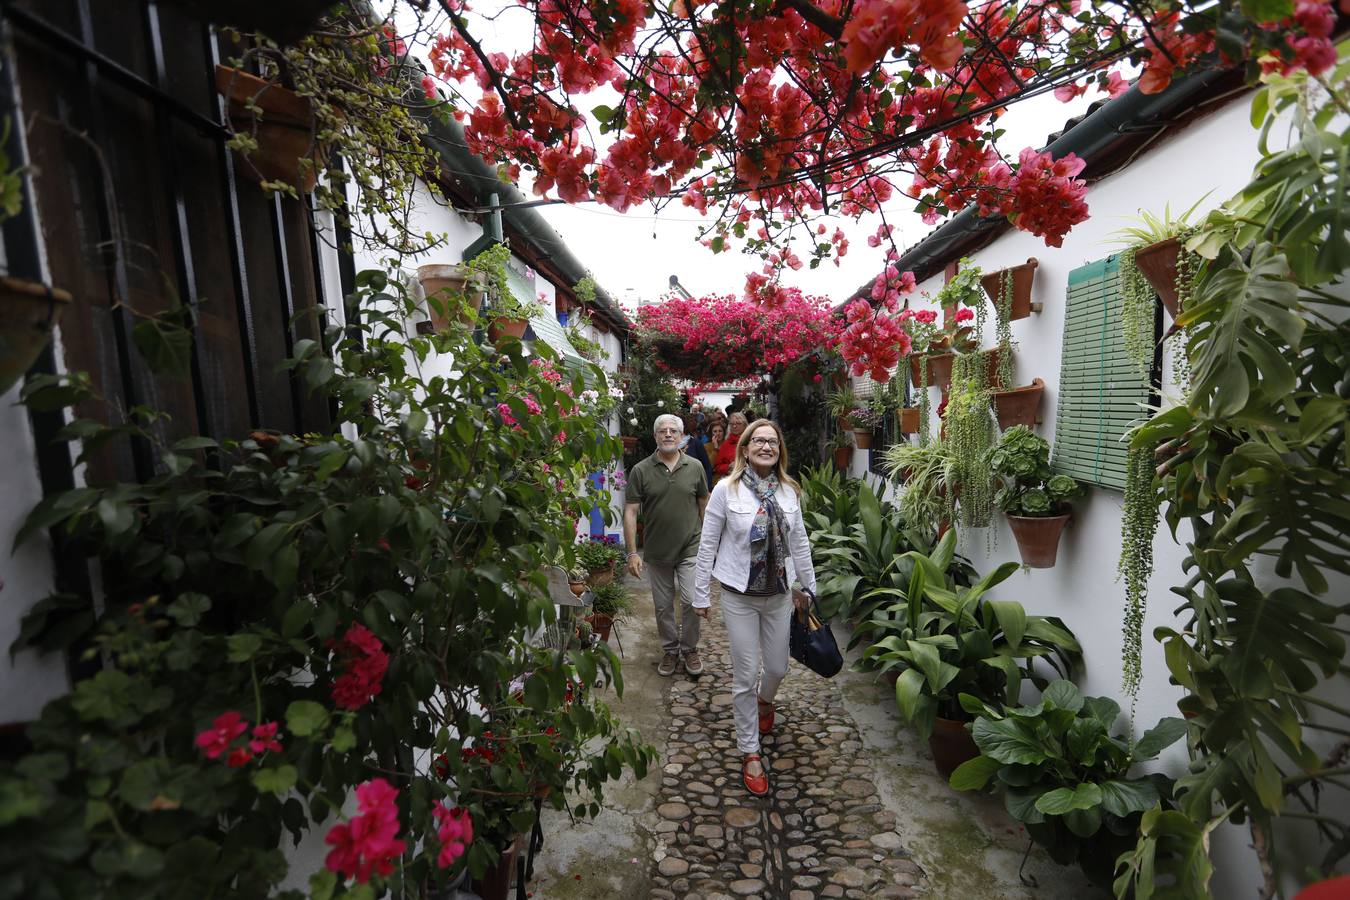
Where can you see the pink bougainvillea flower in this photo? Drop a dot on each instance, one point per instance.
(454, 829)
(368, 844)
(364, 661)
(217, 739)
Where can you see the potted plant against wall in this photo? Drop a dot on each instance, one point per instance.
(1019, 406)
(866, 419)
(1155, 250)
(954, 641)
(612, 603)
(1010, 290)
(970, 434)
(453, 293)
(841, 403)
(507, 315)
(840, 448)
(922, 468)
(1083, 806)
(1034, 499)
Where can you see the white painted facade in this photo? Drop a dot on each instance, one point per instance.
(1214, 155)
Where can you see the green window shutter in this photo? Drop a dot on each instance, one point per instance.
(1101, 395)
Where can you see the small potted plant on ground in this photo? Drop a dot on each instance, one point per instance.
(1034, 499)
(612, 602)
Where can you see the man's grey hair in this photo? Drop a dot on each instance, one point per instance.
(667, 417)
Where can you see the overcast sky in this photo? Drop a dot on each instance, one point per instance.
(633, 254)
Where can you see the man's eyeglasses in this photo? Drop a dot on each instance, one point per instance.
(771, 443)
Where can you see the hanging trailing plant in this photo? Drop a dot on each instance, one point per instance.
(1188, 273)
(1004, 329)
(970, 436)
(1136, 313)
(1139, 522)
(925, 404)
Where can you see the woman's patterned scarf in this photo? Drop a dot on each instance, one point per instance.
(768, 537)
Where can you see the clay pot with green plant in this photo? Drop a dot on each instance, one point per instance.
(611, 603)
(1011, 288)
(1019, 406)
(841, 404)
(1033, 497)
(841, 450)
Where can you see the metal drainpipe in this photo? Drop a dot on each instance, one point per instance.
(492, 230)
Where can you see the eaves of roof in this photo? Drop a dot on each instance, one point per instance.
(1107, 137)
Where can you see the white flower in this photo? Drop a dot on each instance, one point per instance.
(660, 404)
(632, 422)
(631, 411)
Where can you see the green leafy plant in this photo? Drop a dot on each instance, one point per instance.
(501, 300)
(399, 568)
(971, 432)
(597, 553)
(1021, 460)
(963, 288)
(613, 600)
(948, 639)
(1139, 525)
(1065, 776)
(923, 470)
(841, 402)
(1254, 466)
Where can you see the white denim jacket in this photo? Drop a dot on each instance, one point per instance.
(724, 548)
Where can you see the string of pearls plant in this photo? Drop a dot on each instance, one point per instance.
(1188, 273)
(1138, 302)
(1139, 522)
(970, 437)
(1004, 331)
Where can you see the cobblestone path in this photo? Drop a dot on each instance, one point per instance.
(821, 832)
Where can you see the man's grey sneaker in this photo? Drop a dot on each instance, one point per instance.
(668, 664)
(692, 664)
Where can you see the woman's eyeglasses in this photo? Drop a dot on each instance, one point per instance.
(771, 443)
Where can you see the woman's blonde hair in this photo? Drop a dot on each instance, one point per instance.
(743, 450)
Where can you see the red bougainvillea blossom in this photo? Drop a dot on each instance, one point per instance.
(364, 663)
(454, 829)
(726, 335)
(223, 737)
(368, 844)
(771, 114)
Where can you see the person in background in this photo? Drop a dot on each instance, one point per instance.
(694, 447)
(716, 434)
(726, 454)
(670, 489)
(754, 542)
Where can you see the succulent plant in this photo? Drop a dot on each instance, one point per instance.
(1030, 487)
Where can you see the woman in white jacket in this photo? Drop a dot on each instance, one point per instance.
(753, 543)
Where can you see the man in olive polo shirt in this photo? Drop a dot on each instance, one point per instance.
(670, 488)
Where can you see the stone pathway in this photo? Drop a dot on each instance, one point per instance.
(856, 808)
(822, 830)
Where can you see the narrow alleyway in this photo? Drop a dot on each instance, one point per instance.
(856, 808)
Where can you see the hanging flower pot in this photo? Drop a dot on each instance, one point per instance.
(951, 745)
(601, 624)
(1158, 264)
(28, 313)
(842, 457)
(939, 370)
(1022, 278)
(456, 288)
(284, 132)
(908, 420)
(500, 327)
(862, 438)
(1019, 406)
(1038, 538)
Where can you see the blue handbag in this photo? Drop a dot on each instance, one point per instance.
(811, 642)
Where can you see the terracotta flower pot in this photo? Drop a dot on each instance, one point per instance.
(1158, 264)
(842, 457)
(908, 420)
(600, 577)
(862, 438)
(1022, 278)
(1038, 538)
(1019, 406)
(951, 745)
(940, 368)
(629, 443)
(285, 133)
(601, 625)
(499, 327)
(448, 284)
(28, 314)
(844, 423)
(577, 588)
(496, 881)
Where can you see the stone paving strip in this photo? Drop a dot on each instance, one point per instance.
(821, 832)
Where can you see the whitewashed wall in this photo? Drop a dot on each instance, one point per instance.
(1214, 155)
